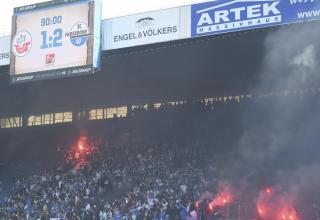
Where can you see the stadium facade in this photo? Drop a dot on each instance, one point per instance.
(206, 51)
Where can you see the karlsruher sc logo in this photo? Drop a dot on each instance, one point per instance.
(226, 16)
(21, 43)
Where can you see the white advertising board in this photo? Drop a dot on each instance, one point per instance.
(5, 50)
(141, 29)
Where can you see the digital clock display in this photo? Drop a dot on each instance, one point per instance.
(52, 38)
(49, 21)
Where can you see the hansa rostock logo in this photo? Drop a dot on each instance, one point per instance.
(226, 16)
(21, 43)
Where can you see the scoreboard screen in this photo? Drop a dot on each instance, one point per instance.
(55, 39)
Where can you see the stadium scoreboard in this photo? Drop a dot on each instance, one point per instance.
(55, 39)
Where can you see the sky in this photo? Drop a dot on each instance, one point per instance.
(111, 8)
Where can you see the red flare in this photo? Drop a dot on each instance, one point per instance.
(262, 210)
(288, 213)
(210, 207)
(224, 197)
(272, 206)
(269, 191)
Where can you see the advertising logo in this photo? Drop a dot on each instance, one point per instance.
(226, 16)
(292, 2)
(79, 34)
(145, 22)
(21, 43)
(4, 56)
(145, 30)
(50, 58)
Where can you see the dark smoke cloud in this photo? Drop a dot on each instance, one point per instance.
(279, 143)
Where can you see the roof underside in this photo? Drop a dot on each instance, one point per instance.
(223, 65)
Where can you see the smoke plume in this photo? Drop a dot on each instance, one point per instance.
(279, 142)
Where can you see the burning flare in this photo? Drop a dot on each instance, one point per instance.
(223, 198)
(274, 206)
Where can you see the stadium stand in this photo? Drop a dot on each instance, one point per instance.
(153, 139)
(153, 164)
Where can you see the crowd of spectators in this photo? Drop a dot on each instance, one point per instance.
(161, 164)
(136, 178)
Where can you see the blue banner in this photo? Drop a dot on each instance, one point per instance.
(223, 16)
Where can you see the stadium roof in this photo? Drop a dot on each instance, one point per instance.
(223, 65)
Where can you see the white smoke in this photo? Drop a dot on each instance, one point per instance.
(290, 63)
(306, 59)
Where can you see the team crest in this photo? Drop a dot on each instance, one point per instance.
(21, 43)
(79, 34)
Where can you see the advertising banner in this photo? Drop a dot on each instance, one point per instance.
(141, 29)
(4, 50)
(222, 16)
